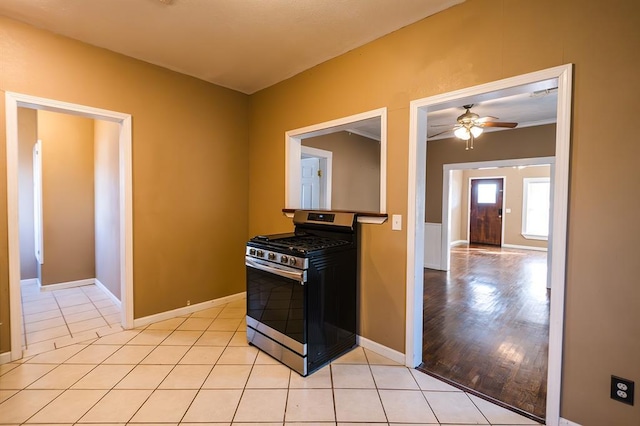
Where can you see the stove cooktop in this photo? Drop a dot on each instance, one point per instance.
(298, 243)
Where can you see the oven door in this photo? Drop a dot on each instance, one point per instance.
(276, 305)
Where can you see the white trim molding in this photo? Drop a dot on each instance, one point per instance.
(381, 350)
(293, 143)
(67, 284)
(5, 358)
(519, 247)
(186, 310)
(560, 77)
(112, 296)
(30, 281)
(12, 102)
(565, 422)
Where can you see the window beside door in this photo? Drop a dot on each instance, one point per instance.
(535, 208)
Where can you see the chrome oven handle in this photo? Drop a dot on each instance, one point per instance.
(300, 276)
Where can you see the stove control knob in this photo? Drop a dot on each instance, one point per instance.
(284, 259)
(260, 253)
(272, 256)
(292, 261)
(252, 252)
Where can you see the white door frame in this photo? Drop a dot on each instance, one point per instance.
(560, 76)
(326, 165)
(12, 102)
(445, 253)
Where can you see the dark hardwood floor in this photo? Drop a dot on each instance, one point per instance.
(486, 324)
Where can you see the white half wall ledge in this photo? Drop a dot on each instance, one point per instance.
(433, 245)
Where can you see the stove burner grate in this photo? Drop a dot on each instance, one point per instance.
(306, 244)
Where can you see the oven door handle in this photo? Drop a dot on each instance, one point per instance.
(300, 276)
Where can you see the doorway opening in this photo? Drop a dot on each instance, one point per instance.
(486, 324)
(358, 162)
(13, 101)
(559, 77)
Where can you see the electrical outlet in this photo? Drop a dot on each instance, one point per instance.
(622, 390)
(188, 302)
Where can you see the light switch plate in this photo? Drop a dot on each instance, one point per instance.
(396, 222)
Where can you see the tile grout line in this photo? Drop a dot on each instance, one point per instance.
(376, 385)
(200, 387)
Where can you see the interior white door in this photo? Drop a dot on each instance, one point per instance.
(310, 183)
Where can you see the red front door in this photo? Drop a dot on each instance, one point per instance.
(485, 217)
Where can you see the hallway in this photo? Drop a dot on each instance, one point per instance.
(52, 319)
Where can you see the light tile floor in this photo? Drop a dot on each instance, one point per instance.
(53, 319)
(198, 369)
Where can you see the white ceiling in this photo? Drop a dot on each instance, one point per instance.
(245, 45)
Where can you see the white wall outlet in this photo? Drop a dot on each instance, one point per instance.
(396, 222)
(508, 210)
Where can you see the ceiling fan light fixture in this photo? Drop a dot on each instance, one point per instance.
(462, 133)
(476, 131)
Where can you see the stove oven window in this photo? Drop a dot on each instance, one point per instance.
(277, 302)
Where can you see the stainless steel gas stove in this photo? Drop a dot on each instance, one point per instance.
(301, 290)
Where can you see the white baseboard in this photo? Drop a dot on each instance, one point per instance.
(30, 281)
(113, 298)
(515, 246)
(565, 422)
(185, 310)
(5, 357)
(386, 352)
(458, 243)
(68, 284)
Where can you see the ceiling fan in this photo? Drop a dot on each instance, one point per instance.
(470, 125)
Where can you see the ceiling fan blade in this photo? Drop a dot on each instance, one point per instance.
(484, 119)
(440, 133)
(498, 124)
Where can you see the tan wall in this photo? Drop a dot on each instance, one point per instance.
(438, 55)
(190, 166)
(513, 190)
(428, 58)
(27, 136)
(356, 170)
(67, 197)
(528, 142)
(107, 205)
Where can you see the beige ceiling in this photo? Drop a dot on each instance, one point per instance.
(245, 45)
